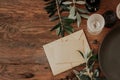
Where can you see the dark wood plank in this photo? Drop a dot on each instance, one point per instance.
(24, 29)
(25, 72)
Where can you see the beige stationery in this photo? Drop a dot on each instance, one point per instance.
(63, 53)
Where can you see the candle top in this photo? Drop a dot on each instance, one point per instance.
(95, 22)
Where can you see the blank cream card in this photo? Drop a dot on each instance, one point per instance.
(63, 53)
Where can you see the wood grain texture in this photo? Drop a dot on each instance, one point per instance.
(24, 29)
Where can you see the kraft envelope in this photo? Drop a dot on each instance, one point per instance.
(63, 53)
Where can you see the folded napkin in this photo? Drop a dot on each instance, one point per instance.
(63, 53)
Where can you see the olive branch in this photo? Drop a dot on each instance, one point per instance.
(55, 8)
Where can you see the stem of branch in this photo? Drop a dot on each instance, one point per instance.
(58, 11)
(88, 70)
(74, 3)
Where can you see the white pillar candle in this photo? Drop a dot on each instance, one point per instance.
(95, 24)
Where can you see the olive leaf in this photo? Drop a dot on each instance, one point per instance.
(81, 54)
(78, 19)
(76, 74)
(82, 10)
(84, 77)
(72, 13)
(62, 33)
(65, 27)
(69, 29)
(89, 54)
(83, 64)
(85, 16)
(83, 71)
(67, 21)
(96, 73)
(54, 18)
(67, 2)
(56, 26)
(58, 31)
(91, 60)
(80, 2)
(51, 8)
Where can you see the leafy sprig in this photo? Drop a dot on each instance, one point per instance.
(77, 13)
(55, 8)
(64, 24)
(89, 72)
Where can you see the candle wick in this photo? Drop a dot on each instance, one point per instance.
(95, 24)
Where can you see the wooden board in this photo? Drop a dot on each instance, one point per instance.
(24, 30)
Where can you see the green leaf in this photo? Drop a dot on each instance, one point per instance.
(72, 10)
(67, 21)
(76, 74)
(91, 60)
(84, 16)
(67, 2)
(52, 13)
(69, 7)
(56, 26)
(54, 18)
(83, 71)
(64, 8)
(50, 2)
(80, 2)
(84, 64)
(83, 10)
(81, 54)
(72, 13)
(84, 77)
(78, 19)
(51, 8)
(62, 33)
(89, 54)
(96, 73)
(58, 30)
(69, 29)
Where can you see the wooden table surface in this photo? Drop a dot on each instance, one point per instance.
(24, 29)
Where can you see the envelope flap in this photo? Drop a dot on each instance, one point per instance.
(66, 50)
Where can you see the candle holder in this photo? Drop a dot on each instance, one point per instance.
(95, 24)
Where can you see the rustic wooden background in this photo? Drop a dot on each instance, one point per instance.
(24, 29)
